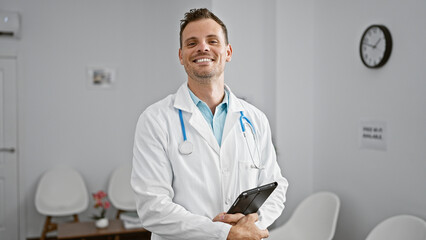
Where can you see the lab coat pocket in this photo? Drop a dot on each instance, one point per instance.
(248, 175)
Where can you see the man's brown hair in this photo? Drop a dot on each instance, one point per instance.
(197, 14)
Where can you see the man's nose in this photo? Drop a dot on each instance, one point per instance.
(203, 47)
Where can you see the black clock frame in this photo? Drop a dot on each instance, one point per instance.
(388, 49)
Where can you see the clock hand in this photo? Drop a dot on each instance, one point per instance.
(373, 46)
(377, 42)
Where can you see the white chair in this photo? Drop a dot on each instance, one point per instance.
(60, 192)
(315, 218)
(401, 227)
(120, 192)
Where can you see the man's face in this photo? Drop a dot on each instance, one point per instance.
(204, 51)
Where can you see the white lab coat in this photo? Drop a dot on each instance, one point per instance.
(178, 195)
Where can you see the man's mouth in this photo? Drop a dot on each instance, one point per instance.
(203, 60)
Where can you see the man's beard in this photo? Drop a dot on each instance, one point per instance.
(200, 77)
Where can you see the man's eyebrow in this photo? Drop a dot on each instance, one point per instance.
(208, 36)
(212, 36)
(190, 39)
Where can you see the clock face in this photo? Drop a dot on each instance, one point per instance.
(375, 46)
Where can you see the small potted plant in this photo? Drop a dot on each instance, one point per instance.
(103, 204)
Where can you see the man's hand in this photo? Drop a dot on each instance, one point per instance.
(228, 218)
(243, 227)
(246, 229)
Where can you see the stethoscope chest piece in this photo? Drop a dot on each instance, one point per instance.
(185, 147)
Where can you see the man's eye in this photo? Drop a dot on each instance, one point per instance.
(214, 41)
(190, 44)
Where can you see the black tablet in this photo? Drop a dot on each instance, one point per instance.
(250, 201)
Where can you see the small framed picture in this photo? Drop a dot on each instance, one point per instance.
(101, 77)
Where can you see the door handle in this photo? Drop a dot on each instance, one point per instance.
(9, 150)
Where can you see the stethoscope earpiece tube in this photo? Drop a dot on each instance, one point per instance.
(242, 117)
(256, 143)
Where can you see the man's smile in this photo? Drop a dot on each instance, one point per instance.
(203, 60)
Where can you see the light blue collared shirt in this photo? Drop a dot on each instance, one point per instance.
(216, 121)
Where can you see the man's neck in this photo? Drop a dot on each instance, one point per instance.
(212, 93)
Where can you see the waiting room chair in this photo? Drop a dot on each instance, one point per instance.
(315, 218)
(399, 227)
(120, 192)
(60, 192)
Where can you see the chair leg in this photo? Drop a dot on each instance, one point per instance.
(49, 226)
(118, 213)
(46, 227)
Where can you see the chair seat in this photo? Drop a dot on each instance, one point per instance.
(399, 227)
(120, 192)
(61, 192)
(315, 218)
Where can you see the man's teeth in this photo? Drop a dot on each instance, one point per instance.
(203, 60)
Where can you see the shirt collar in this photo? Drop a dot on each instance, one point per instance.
(196, 100)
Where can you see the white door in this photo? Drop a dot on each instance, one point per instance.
(9, 214)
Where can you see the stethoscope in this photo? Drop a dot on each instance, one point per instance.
(186, 147)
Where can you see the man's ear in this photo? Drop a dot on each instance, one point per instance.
(180, 56)
(228, 53)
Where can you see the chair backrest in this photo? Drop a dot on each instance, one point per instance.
(315, 218)
(61, 192)
(120, 192)
(399, 227)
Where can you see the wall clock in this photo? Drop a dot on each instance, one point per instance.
(376, 46)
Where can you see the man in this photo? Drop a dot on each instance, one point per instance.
(191, 159)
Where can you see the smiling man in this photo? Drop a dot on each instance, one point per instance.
(196, 150)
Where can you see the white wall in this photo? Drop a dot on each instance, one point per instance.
(63, 122)
(294, 93)
(323, 91)
(373, 185)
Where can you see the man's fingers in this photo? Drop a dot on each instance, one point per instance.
(264, 233)
(219, 217)
(232, 218)
(228, 218)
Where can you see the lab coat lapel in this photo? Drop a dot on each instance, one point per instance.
(233, 116)
(200, 124)
(184, 102)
